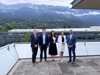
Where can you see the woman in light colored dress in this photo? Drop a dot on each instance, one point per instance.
(62, 41)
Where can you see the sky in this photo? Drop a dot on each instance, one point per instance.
(46, 2)
(49, 2)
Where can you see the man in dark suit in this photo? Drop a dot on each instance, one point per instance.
(43, 44)
(34, 45)
(71, 43)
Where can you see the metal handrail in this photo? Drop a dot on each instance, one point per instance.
(6, 46)
(3, 47)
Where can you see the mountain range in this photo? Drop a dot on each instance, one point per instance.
(49, 12)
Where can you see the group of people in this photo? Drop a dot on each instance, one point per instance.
(44, 41)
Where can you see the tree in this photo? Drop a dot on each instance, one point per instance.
(27, 37)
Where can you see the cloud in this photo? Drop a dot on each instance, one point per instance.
(84, 14)
(90, 13)
(46, 2)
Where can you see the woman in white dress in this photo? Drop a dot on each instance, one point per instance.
(62, 41)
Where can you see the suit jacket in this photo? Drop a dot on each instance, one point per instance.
(41, 40)
(34, 40)
(71, 41)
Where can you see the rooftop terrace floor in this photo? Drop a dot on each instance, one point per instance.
(83, 66)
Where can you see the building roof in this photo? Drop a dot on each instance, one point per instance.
(92, 28)
(86, 4)
(49, 30)
(83, 66)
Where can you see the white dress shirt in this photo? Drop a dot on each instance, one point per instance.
(43, 38)
(70, 36)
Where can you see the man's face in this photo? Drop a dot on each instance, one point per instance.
(44, 31)
(35, 31)
(71, 32)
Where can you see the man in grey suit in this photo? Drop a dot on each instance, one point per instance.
(71, 43)
(34, 45)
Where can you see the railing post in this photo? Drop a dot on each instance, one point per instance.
(8, 48)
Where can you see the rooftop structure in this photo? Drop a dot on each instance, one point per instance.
(86, 4)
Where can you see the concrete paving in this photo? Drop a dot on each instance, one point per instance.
(82, 66)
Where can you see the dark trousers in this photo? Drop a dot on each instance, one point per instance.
(34, 53)
(43, 49)
(72, 52)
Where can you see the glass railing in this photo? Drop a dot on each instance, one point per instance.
(8, 58)
(11, 53)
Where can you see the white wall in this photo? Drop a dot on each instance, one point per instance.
(82, 49)
(93, 48)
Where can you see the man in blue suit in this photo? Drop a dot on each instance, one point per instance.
(43, 44)
(71, 43)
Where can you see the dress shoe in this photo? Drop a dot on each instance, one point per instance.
(69, 61)
(61, 60)
(33, 64)
(45, 60)
(73, 62)
(40, 61)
